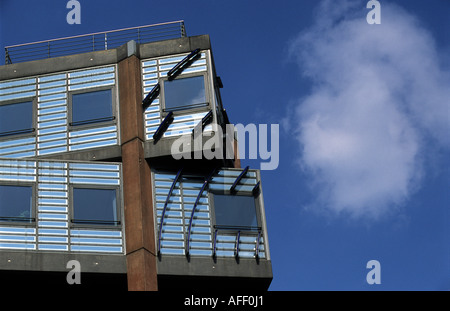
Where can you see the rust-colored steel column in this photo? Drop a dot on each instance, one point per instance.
(138, 202)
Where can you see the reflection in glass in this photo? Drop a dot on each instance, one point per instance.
(184, 93)
(94, 206)
(235, 211)
(16, 118)
(92, 107)
(16, 203)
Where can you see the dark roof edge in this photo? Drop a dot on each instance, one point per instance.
(99, 58)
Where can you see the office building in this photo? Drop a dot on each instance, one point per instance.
(89, 172)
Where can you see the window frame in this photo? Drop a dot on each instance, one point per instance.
(33, 101)
(214, 224)
(76, 225)
(114, 109)
(187, 109)
(32, 222)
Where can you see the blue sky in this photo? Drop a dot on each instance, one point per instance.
(364, 123)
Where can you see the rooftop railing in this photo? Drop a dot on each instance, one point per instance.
(93, 42)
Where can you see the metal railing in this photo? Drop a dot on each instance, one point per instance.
(240, 230)
(93, 42)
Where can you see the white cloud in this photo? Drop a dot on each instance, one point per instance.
(378, 91)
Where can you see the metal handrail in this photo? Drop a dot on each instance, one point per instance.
(95, 221)
(24, 131)
(205, 183)
(95, 33)
(17, 218)
(239, 230)
(90, 121)
(94, 41)
(177, 177)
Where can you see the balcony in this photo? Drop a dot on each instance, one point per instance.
(211, 225)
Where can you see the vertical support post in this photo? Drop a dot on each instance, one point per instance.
(236, 250)
(257, 244)
(215, 243)
(7, 58)
(139, 219)
(183, 30)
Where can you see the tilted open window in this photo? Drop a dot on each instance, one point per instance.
(184, 93)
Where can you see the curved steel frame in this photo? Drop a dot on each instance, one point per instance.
(238, 179)
(177, 177)
(201, 124)
(205, 183)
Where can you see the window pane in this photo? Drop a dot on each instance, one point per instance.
(97, 206)
(235, 210)
(16, 203)
(92, 107)
(16, 118)
(184, 93)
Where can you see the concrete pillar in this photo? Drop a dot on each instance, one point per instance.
(138, 202)
(237, 160)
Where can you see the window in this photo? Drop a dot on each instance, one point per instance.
(92, 107)
(16, 203)
(16, 118)
(235, 211)
(95, 206)
(183, 93)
